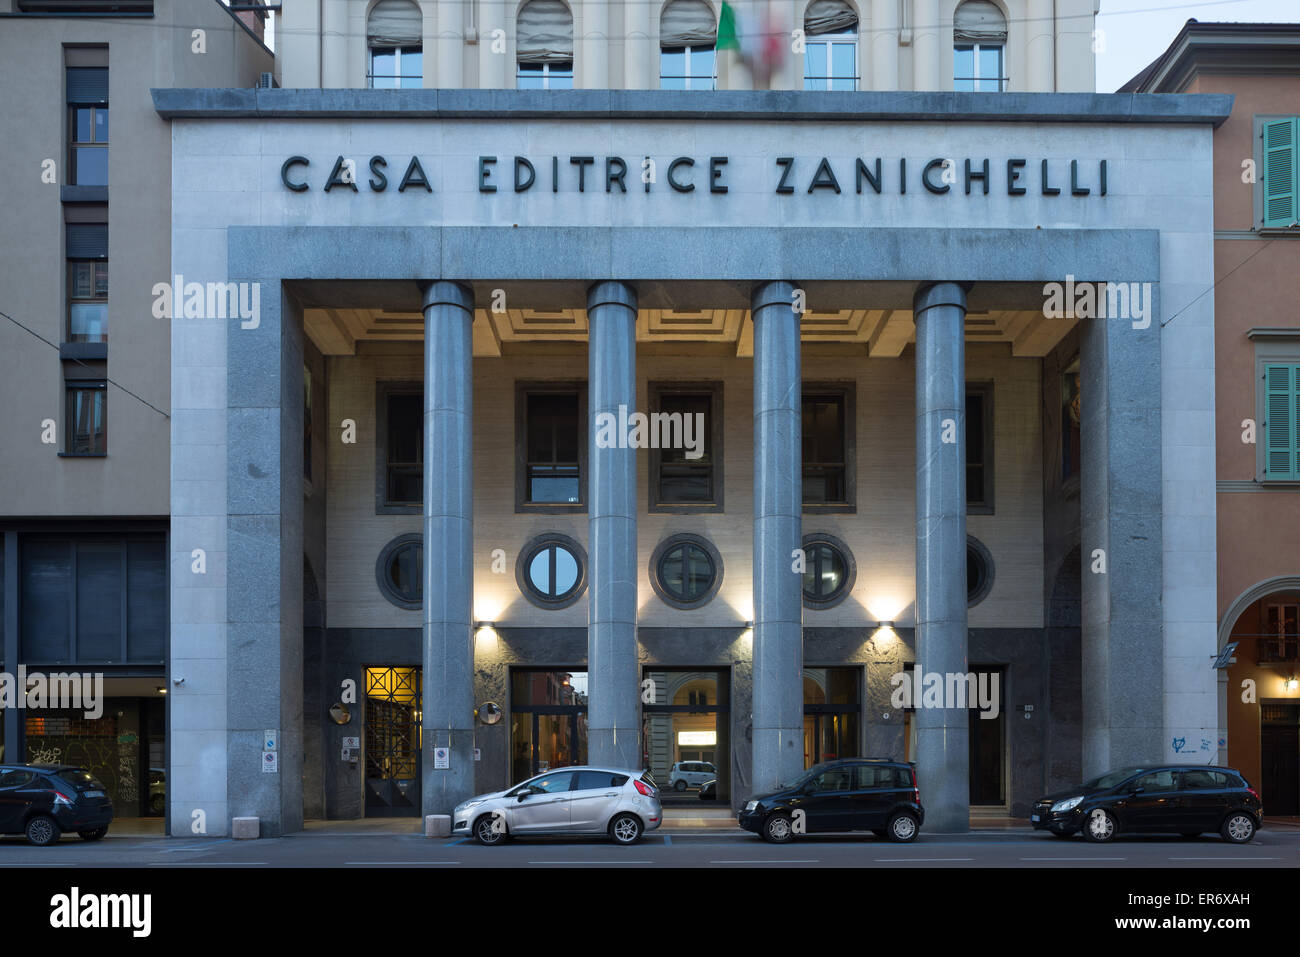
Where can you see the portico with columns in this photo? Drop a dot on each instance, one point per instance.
(899, 296)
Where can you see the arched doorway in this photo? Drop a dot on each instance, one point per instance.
(1262, 692)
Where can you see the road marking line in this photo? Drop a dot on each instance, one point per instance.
(396, 863)
(925, 860)
(602, 863)
(668, 840)
(1073, 858)
(1225, 857)
(208, 864)
(763, 861)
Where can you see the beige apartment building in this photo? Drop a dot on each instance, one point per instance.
(85, 479)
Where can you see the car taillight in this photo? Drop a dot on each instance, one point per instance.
(648, 792)
(1256, 795)
(916, 791)
(61, 798)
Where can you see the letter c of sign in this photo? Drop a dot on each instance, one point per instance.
(672, 174)
(284, 172)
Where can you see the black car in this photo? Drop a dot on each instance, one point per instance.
(862, 794)
(1180, 799)
(709, 790)
(44, 800)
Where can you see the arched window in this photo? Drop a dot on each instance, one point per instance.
(544, 46)
(394, 34)
(688, 35)
(830, 59)
(979, 36)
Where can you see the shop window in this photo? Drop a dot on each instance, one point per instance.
(93, 600)
(686, 476)
(394, 37)
(550, 447)
(686, 571)
(548, 721)
(688, 36)
(827, 436)
(829, 571)
(400, 571)
(544, 46)
(831, 46)
(552, 571)
(979, 48)
(979, 448)
(832, 709)
(87, 89)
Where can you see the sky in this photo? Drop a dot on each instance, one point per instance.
(1137, 31)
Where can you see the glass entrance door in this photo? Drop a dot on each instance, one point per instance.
(393, 738)
(548, 721)
(832, 714)
(684, 733)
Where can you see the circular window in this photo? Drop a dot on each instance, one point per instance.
(552, 571)
(686, 571)
(400, 571)
(829, 571)
(979, 571)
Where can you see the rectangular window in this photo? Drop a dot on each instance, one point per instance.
(1282, 628)
(686, 68)
(978, 68)
(545, 76)
(551, 447)
(979, 448)
(827, 424)
(86, 425)
(1281, 421)
(396, 68)
(87, 300)
(831, 64)
(404, 448)
(87, 90)
(1280, 183)
(682, 478)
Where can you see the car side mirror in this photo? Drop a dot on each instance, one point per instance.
(524, 794)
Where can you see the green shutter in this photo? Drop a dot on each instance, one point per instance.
(1282, 411)
(1280, 185)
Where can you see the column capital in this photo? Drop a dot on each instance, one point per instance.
(442, 292)
(776, 292)
(610, 292)
(929, 295)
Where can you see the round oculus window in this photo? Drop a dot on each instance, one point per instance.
(979, 571)
(552, 571)
(829, 571)
(400, 571)
(686, 571)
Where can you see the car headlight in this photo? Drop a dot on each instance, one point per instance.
(1069, 804)
(467, 805)
(751, 805)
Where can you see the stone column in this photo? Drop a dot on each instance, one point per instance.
(1039, 50)
(941, 739)
(495, 70)
(883, 55)
(448, 544)
(449, 72)
(593, 58)
(637, 60)
(1121, 532)
(778, 505)
(614, 720)
(926, 50)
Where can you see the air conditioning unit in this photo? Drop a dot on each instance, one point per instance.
(267, 82)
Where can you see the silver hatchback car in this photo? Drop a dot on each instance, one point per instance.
(581, 800)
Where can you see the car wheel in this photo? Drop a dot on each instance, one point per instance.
(778, 829)
(679, 786)
(1239, 828)
(625, 829)
(1100, 826)
(903, 827)
(488, 832)
(94, 835)
(41, 830)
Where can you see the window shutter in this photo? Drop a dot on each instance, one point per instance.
(827, 16)
(1281, 411)
(544, 32)
(87, 240)
(395, 23)
(687, 23)
(1280, 172)
(979, 21)
(88, 85)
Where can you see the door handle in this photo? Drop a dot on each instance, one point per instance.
(611, 794)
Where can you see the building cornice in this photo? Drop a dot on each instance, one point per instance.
(715, 106)
(1255, 49)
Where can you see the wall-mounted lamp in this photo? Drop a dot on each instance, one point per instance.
(178, 681)
(885, 624)
(480, 625)
(161, 689)
(1291, 684)
(749, 624)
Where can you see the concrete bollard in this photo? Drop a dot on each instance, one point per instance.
(437, 825)
(245, 828)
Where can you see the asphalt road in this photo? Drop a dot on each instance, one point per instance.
(1010, 848)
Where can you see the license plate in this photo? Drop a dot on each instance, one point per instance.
(93, 794)
(1034, 818)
